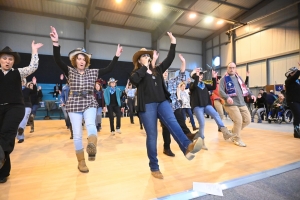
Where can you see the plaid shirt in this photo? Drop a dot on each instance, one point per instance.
(81, 82)
(172, 85)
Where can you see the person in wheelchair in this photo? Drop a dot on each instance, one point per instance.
(277, 108)
(259, 106)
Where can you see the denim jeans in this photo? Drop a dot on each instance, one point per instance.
(199, 112)
(24, 122)
(89, 116)
(34, 109)
(99, 116)
(66, 116)
(189, 112)
(164, 112)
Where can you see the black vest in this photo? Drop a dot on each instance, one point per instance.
(11, 87)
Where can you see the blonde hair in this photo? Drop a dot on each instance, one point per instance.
(87, 60)
(179, 90)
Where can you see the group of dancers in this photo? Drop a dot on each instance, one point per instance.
(156, 98)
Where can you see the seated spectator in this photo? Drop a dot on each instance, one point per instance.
(277, 106)
(259, 106)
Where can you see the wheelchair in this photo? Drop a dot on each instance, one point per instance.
(284, 115)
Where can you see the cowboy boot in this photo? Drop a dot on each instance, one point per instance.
(193, 148)
(81, 161)
(226, 133)
(91, 148)
(31, 123)
(296, 131)
(98, 127)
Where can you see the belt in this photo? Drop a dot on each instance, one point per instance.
(81, 93)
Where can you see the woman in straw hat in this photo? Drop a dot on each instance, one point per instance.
(12, 108)
(292, 86)
(81, 102)
(153, 102)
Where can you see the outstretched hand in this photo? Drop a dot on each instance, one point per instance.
(35, 47)
(119, 50)
(53, 34)
(172, 38)
(61, 77)
(181, 58)
(34, 80)
(214, 74)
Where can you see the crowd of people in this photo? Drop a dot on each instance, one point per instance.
(149, 94)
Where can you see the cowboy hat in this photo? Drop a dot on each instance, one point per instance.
(79, 51)
(291, 70)
(112, 80)
(9, 51)
(141, 52)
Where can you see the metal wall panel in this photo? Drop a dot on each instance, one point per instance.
(258, 74)
(226, 54)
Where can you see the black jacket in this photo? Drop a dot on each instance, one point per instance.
(293, 88)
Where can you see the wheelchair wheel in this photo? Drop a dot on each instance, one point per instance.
(269, 121)
(288, 116)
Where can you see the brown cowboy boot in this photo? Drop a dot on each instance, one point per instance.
(81, 161)
(193, 148)
(91, 148)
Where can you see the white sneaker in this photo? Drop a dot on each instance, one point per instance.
(270, 118)
(112, 133)
(118, 131)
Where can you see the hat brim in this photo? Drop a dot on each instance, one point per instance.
(75, 52)
(16, 56)
(139, 53)
(109, 82)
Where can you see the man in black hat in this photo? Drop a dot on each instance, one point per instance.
(292, 86)
(12, 108)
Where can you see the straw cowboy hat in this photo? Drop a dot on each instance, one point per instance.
(79, 51)
(141, 52)
(291, 70)
(112, 80)
(9, 51)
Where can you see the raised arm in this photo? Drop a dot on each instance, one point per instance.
(154, 59)
(214, 79)
(171, 55)
(34, 63)
(111, 65)
(56, 51)
(293, 78)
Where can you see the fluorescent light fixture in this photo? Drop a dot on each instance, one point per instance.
(216, 61)
(156, 7)
(220, 21)
(192, 15)
(208, 19)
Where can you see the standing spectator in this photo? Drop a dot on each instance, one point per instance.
(99, 95)
(130, 100)
(292, 86)
(64, 95)
(270, 98)
(112, 97)
(233, 90)
(34, 102)
(12, 107)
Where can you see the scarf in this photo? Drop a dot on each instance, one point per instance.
(230, 89)
(201, 85)
(112, 90)
(99, 94)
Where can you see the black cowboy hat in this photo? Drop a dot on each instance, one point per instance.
(9, 51)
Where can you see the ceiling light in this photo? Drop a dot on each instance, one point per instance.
(208, 19)
(192, 15)
(220, 21)
(118, 1)
(156, 7)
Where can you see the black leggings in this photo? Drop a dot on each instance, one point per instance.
(111, 109)
(295, 108)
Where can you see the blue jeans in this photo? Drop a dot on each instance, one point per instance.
(199, 112)
(24, 122)
(89, 116)
(189, 112)
(164, 112)
(99, 115)
(34, 109)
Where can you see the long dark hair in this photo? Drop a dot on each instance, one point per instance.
(137, 66)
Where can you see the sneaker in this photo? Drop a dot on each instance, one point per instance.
(21, 140)
(112, 132)
(259, 121)
(238, 141)
(157, 174)
(118, 131)
(270, 118)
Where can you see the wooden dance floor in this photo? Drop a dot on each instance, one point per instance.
(45, 165)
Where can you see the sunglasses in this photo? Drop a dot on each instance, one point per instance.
(145, 55)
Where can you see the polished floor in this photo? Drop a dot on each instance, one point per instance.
(45, 166)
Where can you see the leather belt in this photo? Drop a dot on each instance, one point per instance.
(80, 94)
